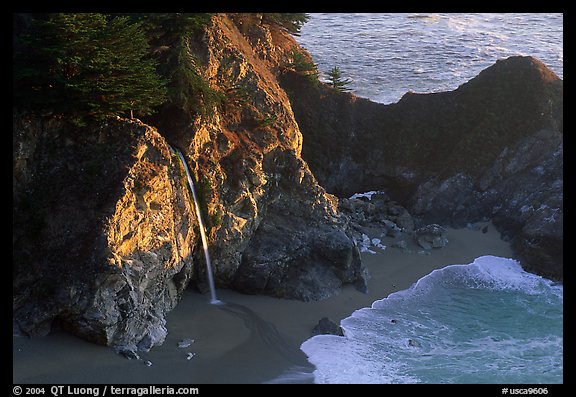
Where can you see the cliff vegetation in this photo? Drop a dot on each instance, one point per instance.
(105, 236)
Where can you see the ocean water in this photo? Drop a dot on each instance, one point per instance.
(485, 322)
(387, 55)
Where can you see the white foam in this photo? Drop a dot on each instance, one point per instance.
(350, 365)
(296, 374)
(488, 272)
(367, 195)
(398, 338)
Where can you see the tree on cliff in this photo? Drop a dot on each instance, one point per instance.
(169, 27)
(292, 22)
(86, 65)
(335, 79)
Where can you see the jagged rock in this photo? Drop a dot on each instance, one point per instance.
(402, 244)
(185, 343)
(130, 354)
(326, 326)
(103, 231)
(431, 236)
(473, 226)
(288, 260)
(376, 211)
(491, 149)
(405, 222)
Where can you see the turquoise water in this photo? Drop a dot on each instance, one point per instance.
(387, 55)
(486, 322)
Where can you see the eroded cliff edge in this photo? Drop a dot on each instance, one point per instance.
(105, 234)
(105, 239)
(491, 149)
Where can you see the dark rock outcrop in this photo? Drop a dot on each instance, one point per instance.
(327, 326)
(104, 227)
(289, 259)
(491, 149)
(431, 236)
(103, 231)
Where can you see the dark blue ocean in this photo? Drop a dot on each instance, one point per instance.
(387, 55)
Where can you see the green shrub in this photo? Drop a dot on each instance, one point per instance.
(302, 65)
(86, 65)
(292, 22)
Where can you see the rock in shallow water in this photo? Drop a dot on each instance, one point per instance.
(185, 343)
(326, 326)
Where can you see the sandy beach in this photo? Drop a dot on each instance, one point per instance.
(249, 339)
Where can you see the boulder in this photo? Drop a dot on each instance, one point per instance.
(326, 326)
(104, 232)
(431, 236)
(286, 259)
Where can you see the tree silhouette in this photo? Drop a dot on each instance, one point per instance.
(335, 79)
(86, 65)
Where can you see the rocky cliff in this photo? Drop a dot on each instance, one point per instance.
(491, 149)
(105, 238)
(274, 230)
(105, 233)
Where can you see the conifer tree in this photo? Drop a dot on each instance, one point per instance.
(86, 64)
(336, 81)
(292, 22)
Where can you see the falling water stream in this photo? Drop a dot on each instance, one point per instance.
(213, 298)
(262, 332)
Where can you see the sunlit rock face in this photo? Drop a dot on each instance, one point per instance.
(104, 231)
(267, 215)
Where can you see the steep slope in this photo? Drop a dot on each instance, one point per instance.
(103, 234)
(104, 226)
(490, 149)
(274, 229)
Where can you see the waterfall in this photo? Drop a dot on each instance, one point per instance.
(213, 299)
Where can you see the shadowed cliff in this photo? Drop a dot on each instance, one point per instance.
(491, 149)
(104, 231)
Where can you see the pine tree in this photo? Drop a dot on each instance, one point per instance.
(292, 22)
(336, 81)
(86, 65)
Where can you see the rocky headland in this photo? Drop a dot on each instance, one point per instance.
(491, 149)
(105, 236)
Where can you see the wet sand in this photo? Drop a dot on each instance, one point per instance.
(249, 339)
